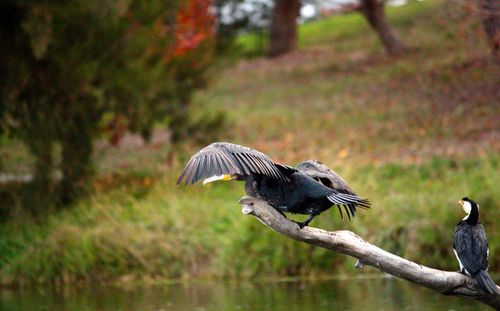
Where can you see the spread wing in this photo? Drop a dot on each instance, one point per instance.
(471, 248)
(325, 175)
(343, 194)
(231, 159)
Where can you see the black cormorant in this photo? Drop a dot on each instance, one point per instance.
(471, 247)
(310, 188)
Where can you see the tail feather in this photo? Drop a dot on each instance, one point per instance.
(486, 283)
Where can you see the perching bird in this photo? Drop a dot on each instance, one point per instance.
(310, 188)
(471, 247)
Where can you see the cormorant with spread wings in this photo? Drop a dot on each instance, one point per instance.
(310, 188)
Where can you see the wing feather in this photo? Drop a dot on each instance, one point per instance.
(226, 158)
(250, 162)
(218, 165)
(470, 249)
(190, 171)
(242, 163)
(197, 172)
(340, 211)
(230, 165)
(184, 172)
(224, 164)
(348, 202)
(318, 170)
(210, 167)
(264, 168)
(340, 204)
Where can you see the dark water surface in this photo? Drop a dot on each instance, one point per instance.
(348, 294)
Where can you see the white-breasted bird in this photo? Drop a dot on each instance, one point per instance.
(471, 247)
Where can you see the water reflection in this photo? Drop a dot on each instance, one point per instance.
(353, 294)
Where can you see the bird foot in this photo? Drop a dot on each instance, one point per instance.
(301, 224)
(359, 264)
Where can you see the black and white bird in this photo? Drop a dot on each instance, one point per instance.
(310, 188)
(471, 247)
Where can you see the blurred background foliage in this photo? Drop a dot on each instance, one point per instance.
(73, 69)
(102, 102)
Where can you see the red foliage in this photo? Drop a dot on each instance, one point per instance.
(184, 52)
(116, 129)
(194, 25)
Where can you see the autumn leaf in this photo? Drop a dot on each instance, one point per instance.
(343, 153)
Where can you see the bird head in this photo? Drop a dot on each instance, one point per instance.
(467, 204)
(248, 202)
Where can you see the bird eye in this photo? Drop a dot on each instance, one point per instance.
(251, 203)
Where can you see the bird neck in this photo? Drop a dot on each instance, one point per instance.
(473, 217)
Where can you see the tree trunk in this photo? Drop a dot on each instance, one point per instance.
(283, 33)
(374, 12)
(76, 152)
(39, 192)
(490, 14)
(348, 243)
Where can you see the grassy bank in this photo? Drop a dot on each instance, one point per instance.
(200, 231)
(413, 134)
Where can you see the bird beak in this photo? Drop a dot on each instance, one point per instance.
(461, 202)
(217, 177)
(244, 199)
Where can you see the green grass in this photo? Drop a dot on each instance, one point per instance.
(200, 231)
(412, 134)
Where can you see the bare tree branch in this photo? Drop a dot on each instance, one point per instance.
(349, 243)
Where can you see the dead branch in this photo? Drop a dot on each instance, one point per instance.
(349, 243)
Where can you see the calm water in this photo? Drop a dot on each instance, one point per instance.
(357, 294)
